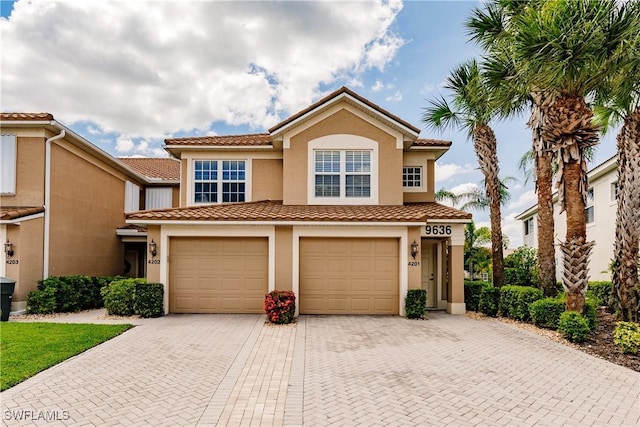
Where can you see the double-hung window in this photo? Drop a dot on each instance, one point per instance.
(342, 173)
(8, 151)
(219, 181)
(589, 209)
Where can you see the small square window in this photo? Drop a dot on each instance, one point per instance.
(412, 176)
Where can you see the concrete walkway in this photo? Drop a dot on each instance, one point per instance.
(327, 370)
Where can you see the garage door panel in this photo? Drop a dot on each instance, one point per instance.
(218, 275)
(349, 276)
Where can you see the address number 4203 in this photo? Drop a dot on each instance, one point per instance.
(438, 230)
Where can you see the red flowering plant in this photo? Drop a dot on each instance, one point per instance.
(280, 306)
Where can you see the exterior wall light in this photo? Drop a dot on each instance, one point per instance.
(8, 249)
(414, 249)
(153, 248)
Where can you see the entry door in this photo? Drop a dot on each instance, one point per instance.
(430, 272)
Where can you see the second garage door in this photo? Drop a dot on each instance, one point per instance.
(218, 275)
(349, 276)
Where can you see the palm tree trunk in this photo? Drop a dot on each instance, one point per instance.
(625, 268)
(485, 145)
(569, 129)
(543, 159)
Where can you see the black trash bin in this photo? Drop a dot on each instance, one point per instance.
(7, 286)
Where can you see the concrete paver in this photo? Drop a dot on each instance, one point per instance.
(326, 370)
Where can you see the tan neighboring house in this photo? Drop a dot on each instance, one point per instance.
(600, 213)
(335, 203)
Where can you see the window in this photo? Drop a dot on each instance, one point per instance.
(342, 173)
(528, 227)
(131, 197)
(614, 191)
(219, 181)
(8, 164)
(159, 198)
(589, 209)
(412, 176)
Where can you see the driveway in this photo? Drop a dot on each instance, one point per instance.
(327, 370)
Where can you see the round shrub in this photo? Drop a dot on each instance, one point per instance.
(148, 299)
(416, 303)
(546, 312)
(489, 301)
(573, 326)
(280, 306)
(627, 337)
(119, 295)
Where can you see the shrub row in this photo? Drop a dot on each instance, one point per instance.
(125, 297)
(601, 293)
(416, 303)
(67, 293)
(472, 291)
(515, 301)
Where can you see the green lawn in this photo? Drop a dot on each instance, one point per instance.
(28, 348)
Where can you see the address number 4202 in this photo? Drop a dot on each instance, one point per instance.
(438, 230)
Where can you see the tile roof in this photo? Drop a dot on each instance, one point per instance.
(332, 95)
(159, 168)
(275, 211)
(423, 142)
(26, 116)
(249, 140)
(8, 213)
(133, 227)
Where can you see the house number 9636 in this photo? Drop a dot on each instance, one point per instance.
(438, 230)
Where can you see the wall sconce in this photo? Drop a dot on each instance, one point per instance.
(8, 249)
(153, 248)
(414, 249)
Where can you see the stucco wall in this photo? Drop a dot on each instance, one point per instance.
(28, 253)
(267, 179)
(29, 172)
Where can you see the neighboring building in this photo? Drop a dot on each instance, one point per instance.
(335, 203)
(600, 214)
(62, 200)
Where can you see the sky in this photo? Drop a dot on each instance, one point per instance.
(127, 74)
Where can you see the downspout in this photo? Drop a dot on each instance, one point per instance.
(47, 200)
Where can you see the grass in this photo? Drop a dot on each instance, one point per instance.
(28, 348)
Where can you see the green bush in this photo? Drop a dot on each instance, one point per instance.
(546, 312)
(515, 301)
(573, 326)
(590, 313)
(69, 293)
(489, 301)
(601, 293)
(118, 296)
(521, 267)
(42, 301)
(627, 337)
(148, 299)
(472, 290)
(415, 303)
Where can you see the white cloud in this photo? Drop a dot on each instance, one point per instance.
(378, 86)
(467, 187)
(396, 97)
(512, 228)
(427, 89)
(524, 201)
(147, 70)
(445, 171)
(124, 144)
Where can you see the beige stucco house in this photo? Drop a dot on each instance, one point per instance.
(335, 203)
(600, 215)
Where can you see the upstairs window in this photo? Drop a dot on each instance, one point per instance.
(342, 173)
(131, 197)
(528, 227)
(159, 198)
(8, 149)
(412, 176)
(219, 181)
(614, 191)
(589, 210)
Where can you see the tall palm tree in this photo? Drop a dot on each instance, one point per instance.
(492, 28)
(472, 110)
(565, 50)
(619, 102)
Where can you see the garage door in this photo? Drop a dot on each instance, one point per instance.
(349, 276)
(218, 275)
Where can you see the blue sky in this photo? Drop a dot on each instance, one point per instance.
(128, 74)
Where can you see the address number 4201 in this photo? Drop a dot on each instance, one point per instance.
(438, 230)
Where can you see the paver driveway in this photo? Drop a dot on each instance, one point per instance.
(329, 370)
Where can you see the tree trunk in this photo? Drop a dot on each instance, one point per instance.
(625, 266)
(569, 129)
(484, 141)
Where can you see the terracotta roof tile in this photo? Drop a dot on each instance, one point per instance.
(134, 228)
(159, 168)
(276, 211)
(249, 140)
(423, 142)
(26, 116)
(8, 213)
(333, 95)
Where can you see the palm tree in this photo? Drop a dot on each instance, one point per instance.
(619, 102)
(472, 111)
(564, 50)
(443, 195)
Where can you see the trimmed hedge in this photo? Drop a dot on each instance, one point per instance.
(415, 303)
(627, 337)
(148, 299)
(601, 293)
(67, 293)
(472, 291)
(489, 301)
(515, 301)
(125, 297)
(546, 312)
(573, 326)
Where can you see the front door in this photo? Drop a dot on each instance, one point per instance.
(429, 272)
